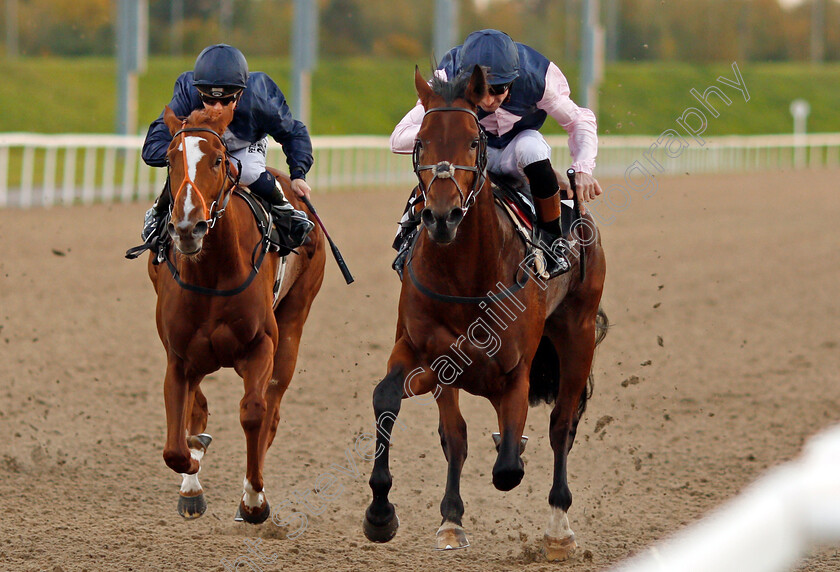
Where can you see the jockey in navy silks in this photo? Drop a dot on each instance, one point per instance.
(524, 88)
(220, 78)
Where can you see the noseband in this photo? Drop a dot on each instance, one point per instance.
(446, 170)
(217, 208)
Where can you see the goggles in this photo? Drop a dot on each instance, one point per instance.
(499, 89)
(225, 101)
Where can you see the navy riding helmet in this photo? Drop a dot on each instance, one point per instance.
(492, 49)
(220, 70)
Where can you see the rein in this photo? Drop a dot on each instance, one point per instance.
(450, 299)
(255, 268)
(446, 170)
(255, 264)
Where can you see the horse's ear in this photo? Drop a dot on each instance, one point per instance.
(170, 120)
(424, 91)
(477, 87)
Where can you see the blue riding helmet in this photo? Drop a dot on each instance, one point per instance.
(492, 49)
(220, 70)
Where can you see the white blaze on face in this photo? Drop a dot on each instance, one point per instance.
(194, 155)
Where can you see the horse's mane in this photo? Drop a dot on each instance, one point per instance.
(211, 118)
(454, 89)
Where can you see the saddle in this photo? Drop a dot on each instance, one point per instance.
(271, 240)
(274, 231)
(513, 195)
(516, 195)
(279, 232)
(509, 192)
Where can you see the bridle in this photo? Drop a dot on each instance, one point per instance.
(217, 208)
(446, 170)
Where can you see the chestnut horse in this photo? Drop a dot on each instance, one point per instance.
(215, 307)
(474, 316)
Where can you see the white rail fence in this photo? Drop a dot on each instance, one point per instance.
(769, 527)
(44, 170)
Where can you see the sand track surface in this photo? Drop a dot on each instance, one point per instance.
(721, 361)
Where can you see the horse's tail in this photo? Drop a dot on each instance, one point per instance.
(545, 369)
(602, 324)
(545, 374)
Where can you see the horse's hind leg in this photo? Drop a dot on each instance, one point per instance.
(574, 339)
(453, 440)
(291, 315)
(191, 502)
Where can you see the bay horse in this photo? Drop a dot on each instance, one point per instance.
(474, 316)
(216, 308)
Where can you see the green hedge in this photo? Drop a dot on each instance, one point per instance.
(366, 96)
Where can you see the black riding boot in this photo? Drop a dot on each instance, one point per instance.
(293, 224)
(152, 224)
(154, 216)
(546, 193)
(407, 230)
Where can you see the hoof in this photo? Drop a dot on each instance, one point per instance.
(200, 441)
(507, 479)
(252, 516)
(191, 507)
(451, 536)
(497, 441)
(383, 532)
(558, 549)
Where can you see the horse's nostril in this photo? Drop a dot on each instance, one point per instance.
(170, 228)
(428, 217)
(455, 216)
(200, 229)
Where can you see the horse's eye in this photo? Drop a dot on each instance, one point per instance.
(474, 144)
(218, 160)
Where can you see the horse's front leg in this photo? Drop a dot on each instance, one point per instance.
(255, 371)
(453, 440)
(404, 379)
(512, 410)
(179, 395)
(176, 396)
(191, 503)
(575, 344)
